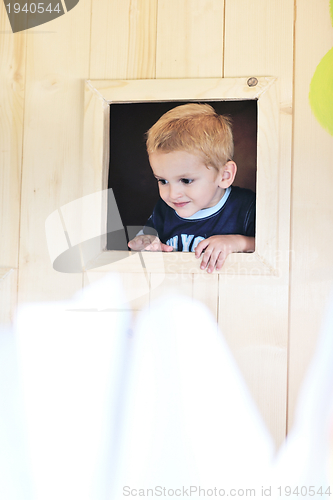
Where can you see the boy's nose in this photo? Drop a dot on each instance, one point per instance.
(175, 192)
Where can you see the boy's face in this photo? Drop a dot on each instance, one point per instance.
(186, 184)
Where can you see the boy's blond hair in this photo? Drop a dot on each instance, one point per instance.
(196, 129)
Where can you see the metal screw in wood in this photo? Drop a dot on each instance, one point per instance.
(252, 82)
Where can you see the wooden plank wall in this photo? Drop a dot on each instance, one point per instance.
(12, 71)
(43, 71)
(312, 201)
(57, 64)
(254, 314)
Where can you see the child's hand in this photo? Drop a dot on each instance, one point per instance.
(217, 248)
(150, 243)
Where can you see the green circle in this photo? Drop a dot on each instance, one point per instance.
(321, 92)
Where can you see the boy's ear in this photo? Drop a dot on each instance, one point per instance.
(228, 174)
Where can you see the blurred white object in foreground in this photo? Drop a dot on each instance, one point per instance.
(90, 411)
(304, 459)
(189, 419)
(70, 358)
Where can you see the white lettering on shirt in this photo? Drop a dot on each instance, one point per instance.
(173, 242)
(186, 240)
(196, 242)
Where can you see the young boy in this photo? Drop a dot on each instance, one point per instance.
(190, 149)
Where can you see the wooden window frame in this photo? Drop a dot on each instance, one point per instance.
(99, 94)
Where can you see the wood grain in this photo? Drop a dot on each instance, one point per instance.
(239, 264)
(123, 39)
(253, 318)
(189, 39)
(206, 290)
(8, 295)
(259, 41)
(312, 203)
(12, 71)
(123, 45)
(57, 64)
(181, 89)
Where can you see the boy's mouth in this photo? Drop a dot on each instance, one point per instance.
(179, 205)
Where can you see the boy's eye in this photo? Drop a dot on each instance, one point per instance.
(186, 181)
(162, 181)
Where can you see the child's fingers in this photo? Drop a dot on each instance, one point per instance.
(221, 260)
(215, 258)
(166, 248)
(140, 243)
(152, 247)
(158, 246)
(206, 258)
(134, 244)
(216, 249)
(200, 248)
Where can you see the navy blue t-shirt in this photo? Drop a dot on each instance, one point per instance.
(234, 214)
